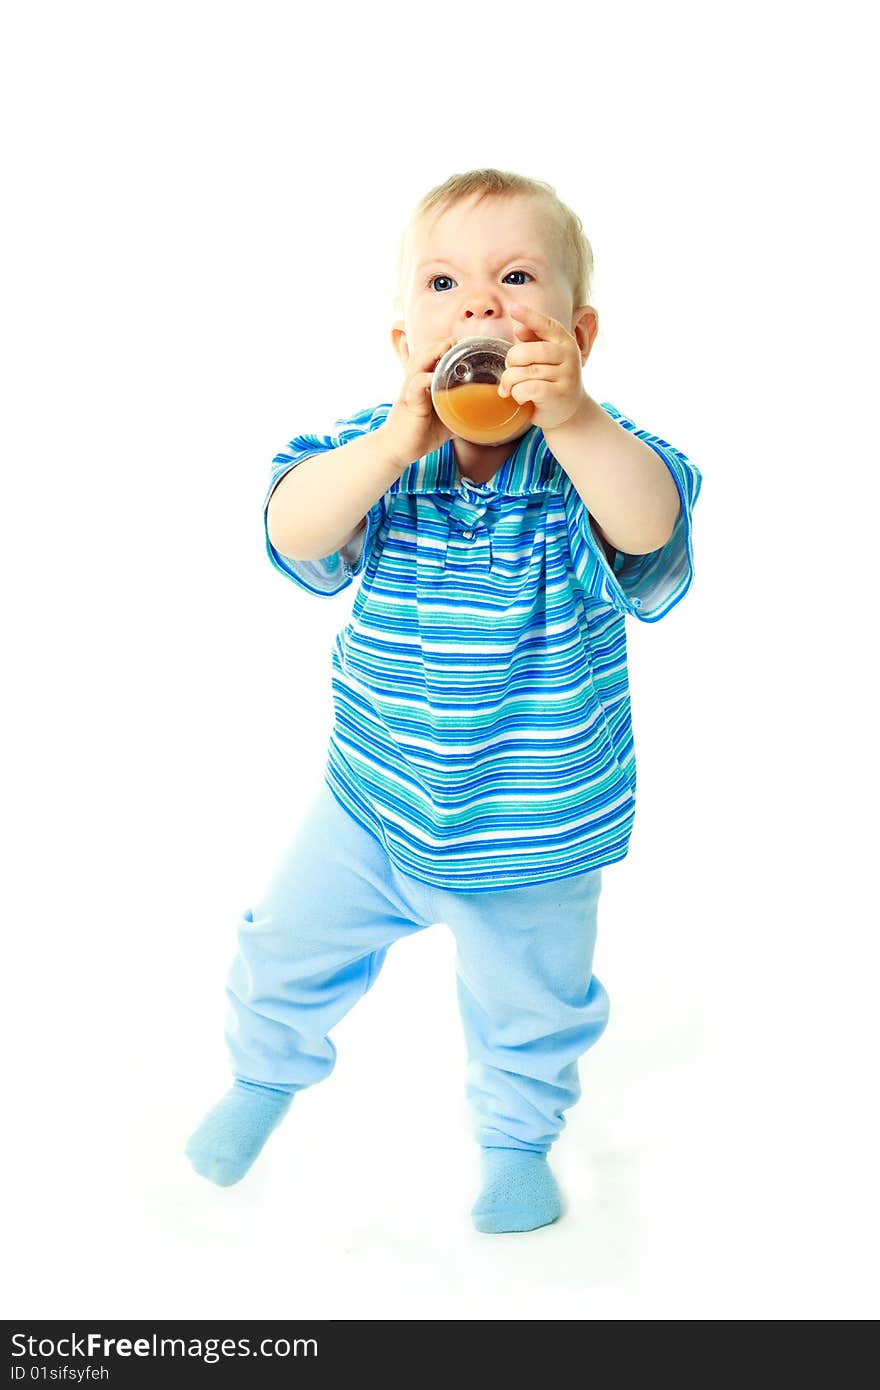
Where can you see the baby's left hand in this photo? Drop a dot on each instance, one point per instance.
(544, 367)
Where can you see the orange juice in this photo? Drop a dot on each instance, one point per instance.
(477, 412)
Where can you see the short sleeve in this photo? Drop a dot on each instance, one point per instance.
(643, 586)
(333, 573)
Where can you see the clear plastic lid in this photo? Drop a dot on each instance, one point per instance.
(464, 390)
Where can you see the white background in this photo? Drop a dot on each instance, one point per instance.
(202, 211)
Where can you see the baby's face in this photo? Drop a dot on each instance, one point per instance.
(467, 266)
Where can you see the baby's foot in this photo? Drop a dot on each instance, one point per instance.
(232, 1134)
(519, 1192)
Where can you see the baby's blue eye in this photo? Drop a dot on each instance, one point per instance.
(518, 272)
(440, 277)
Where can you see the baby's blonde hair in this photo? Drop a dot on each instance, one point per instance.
(576, 249)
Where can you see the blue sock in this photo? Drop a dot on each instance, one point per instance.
(519, 1192)
(232, 1134)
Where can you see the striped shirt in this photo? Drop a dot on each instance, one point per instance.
(482, 728)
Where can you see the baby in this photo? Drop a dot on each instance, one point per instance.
(481, 768)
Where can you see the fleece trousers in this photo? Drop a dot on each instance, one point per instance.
(312, 947)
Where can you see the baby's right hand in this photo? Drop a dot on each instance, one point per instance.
(413, 427)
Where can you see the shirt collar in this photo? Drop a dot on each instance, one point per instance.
(530, 467)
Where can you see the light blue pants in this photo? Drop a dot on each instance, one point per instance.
(529, 1002)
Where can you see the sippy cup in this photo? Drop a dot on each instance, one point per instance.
(464, 390)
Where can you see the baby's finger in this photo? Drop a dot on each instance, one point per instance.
(524, 354)
(418, 388)
(429, 355)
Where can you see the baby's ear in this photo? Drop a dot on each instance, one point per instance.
(399, 342)
(584, 329)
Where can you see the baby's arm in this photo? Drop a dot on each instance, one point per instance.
(621, 475)
(641, 583)
(321, 505)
